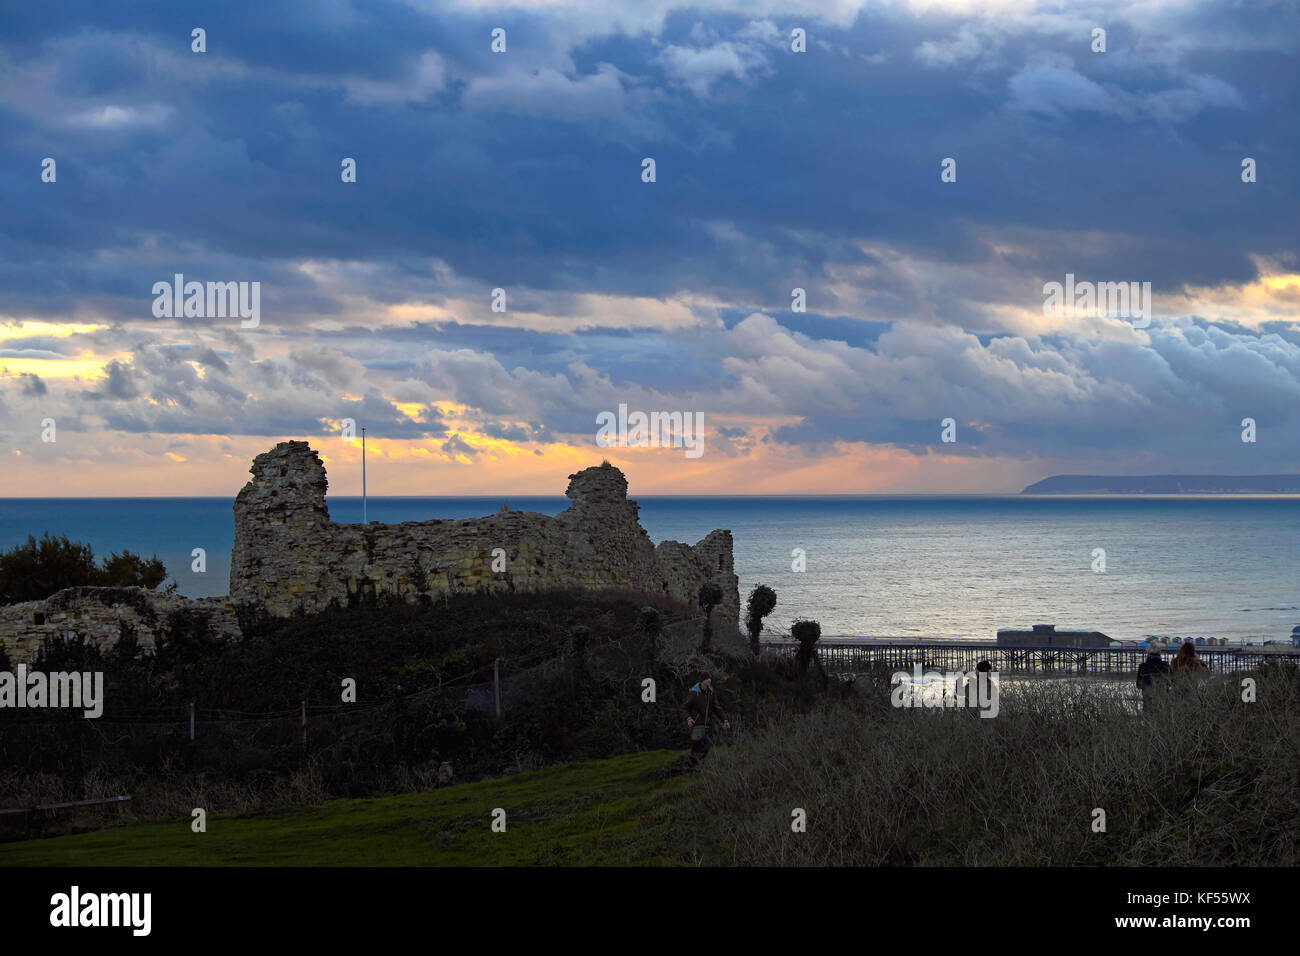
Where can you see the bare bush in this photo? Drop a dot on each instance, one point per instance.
(1201, 779)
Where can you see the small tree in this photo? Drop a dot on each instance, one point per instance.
(808, 633)
(650, 623)
(128, 642)
(35, 570)
(579, 638)
(70, 653)
(710, 596)
(127, 570)
(761, 602)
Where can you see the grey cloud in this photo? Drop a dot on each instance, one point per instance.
(210, 358)
(32, 384)
(1052, 85)
(118, 385)
(455, 445)
(42, 354)
(37, 346)
(548, 92)
(1055, 87)
(1171, 391)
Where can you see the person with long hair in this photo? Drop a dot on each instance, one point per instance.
(1186, 659)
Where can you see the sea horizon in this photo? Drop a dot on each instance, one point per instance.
(933, 567)
(635, 496)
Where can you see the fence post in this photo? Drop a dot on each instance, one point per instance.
(496, 682)
(191, 720)
(304, 725)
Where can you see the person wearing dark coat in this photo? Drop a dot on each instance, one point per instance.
(701, 707)
(1153, 677)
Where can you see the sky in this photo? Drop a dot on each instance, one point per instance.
(921, 170)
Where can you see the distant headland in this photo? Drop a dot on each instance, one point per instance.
(1166, 485)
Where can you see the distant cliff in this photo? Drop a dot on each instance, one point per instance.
(1166, 485)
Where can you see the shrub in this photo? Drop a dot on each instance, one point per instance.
(35, 570)
(1205, 780)
(710, 596)
(807, 633)
(762, 600)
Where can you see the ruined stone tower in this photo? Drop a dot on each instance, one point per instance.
(289, 555)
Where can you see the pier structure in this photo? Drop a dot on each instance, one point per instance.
(848, 657)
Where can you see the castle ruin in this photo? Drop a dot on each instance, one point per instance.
(288, 556)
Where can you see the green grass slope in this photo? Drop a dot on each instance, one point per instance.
(605, 812)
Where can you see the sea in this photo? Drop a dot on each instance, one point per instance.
(914, 567)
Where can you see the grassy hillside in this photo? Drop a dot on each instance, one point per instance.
(1206, 775)
(605, 812)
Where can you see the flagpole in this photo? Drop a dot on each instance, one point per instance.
(363, 476)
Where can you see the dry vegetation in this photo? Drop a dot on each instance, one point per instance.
(1205, 779)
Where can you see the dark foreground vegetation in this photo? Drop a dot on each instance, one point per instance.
(571, 667)
(591, 773)
(1203, 779)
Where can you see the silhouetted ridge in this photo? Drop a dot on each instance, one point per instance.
(1165, 485)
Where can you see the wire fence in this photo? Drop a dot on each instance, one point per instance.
(445, 688)
(50, 756)
(512, 677)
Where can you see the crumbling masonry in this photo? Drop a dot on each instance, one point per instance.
(288, 556)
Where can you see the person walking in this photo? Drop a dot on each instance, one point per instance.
(702, 706)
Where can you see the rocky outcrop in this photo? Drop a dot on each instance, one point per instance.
(288, 555)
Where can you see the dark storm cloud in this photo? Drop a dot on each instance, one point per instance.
(775, 171)
(818, 153)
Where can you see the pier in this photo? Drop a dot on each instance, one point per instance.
(848, 657)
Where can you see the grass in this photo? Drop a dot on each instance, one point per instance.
(605, 812)
(1209, 775)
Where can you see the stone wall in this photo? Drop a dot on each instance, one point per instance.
(288, 554)
(101, 614)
